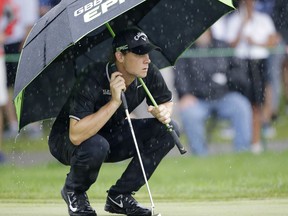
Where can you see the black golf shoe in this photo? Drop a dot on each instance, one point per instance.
(125, 204)
(78, 203)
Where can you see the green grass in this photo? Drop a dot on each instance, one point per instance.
(24, 144)
(218, 177)
(221, 177)
(218, 185)
(275, 207)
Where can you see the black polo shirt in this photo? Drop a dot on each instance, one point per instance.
(92, 91)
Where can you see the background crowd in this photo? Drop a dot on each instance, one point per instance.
(254, 70)
(17, 17)
(243, 88)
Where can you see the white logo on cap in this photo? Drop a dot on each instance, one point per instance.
(141, 35)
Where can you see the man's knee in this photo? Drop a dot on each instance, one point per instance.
(95, 148)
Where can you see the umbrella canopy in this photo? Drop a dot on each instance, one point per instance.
(73, 34)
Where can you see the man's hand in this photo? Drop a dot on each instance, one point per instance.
(117, 85)
(162, 113)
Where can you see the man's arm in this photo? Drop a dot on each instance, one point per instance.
(81, 130)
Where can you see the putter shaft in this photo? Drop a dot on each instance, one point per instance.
(124, 101)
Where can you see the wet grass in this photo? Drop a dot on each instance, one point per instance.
(222, 184)
(278, 207)
(219, 177)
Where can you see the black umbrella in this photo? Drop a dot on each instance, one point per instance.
(73, 33)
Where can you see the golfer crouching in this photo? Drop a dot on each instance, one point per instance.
(92, 128)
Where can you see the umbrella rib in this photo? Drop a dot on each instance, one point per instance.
(46, 24)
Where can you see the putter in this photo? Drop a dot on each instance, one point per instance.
(124, 101)
(125, 105)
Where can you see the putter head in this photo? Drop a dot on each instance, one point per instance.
(154, 214)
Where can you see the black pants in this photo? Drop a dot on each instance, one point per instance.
(154, 142)
(258, 79)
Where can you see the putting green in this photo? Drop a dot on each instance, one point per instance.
(274, 207)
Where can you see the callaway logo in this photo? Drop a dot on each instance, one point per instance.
(70, 205)
(120, 204)
(141, 35)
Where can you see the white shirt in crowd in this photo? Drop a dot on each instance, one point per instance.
(259, 29)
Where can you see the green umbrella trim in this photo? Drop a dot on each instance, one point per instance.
(227, 2)
(18, 105)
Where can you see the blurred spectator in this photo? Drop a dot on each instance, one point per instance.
(46, 5)
(279, 15)
(27, 13)
(285, 82)
(218, 29)
(272, 91)
(7, 23)
(274, 62)
(251, 33)
(265, 6)
(203, 91)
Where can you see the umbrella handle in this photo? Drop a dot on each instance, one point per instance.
(170, 128)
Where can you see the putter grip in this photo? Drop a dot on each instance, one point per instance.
(180, 147)
(123, 97)
(124, 101)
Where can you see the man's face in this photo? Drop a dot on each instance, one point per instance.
(136, 65)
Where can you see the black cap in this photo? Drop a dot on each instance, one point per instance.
(133, 40)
